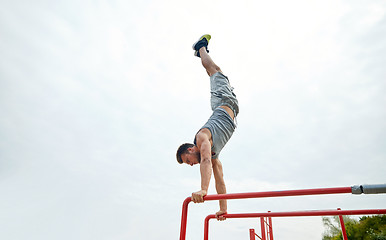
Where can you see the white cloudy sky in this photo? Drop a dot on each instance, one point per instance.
(96, 96)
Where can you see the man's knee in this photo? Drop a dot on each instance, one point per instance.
(214, 70)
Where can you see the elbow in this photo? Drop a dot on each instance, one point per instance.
(206, 161)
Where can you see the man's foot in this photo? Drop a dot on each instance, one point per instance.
(203, 41)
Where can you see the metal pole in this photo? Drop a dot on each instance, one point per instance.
(285, 193)
(262, 228)
(304, 213)
(206, 228)
(342, 226)
(270, 228)
(184, 218)
(251, 234)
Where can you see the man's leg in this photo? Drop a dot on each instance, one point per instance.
(201, 48)
(210, 67)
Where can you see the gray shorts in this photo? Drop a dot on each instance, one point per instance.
(222, 93)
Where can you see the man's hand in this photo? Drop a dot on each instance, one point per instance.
(219, 215)
(198, 197)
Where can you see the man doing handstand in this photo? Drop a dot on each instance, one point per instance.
(216, 132)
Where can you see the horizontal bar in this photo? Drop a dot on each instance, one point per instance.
(284, 193)
(369, 188)
(302, 213)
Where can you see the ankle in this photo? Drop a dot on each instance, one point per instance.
(202, 50)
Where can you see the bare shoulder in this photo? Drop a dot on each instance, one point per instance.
(203, 135)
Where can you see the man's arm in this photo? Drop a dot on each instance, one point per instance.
(220, 187)
(204, 145)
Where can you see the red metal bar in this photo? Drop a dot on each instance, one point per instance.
(252, 234)
(184, 217)
(262, 228)
(206, 228)
(270, 228)
(342, 226)
(304, 213)
(266, 227)
(296, 214)
(285, 193)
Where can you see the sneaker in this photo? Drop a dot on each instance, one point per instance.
(203, 41)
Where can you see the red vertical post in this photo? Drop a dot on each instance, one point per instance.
(342, 226)
(206, 227)
(262, 228)
(252, 234)
(270, 228)
(184, 218)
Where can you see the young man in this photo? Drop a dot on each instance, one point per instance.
(213, 136)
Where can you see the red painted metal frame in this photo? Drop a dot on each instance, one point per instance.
(293, 214)
(252, 234)
(342, 226)
(266, 225)
(266, 228)
(261, 225)
(270, 228)
(285, 193)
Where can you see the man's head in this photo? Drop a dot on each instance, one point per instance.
(188, 153)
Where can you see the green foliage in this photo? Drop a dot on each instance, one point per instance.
(367, 228)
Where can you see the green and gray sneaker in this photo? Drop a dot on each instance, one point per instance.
(203, 41)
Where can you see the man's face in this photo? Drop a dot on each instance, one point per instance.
(191, 158)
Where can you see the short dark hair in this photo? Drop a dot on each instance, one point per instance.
(181, 150)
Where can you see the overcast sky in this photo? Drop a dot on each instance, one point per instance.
(96, 97)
